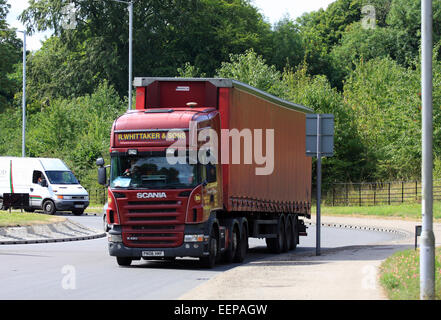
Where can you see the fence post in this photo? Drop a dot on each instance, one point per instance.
(416, 190)
(333, 195)
(359, 195)
(389, 194)
(347, 194)
(375, 193)
(402, 192)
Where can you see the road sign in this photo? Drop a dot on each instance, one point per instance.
(319, 143)
(326, 128)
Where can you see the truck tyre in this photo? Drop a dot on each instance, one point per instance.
(49, 207)
(243, 245)
(78, 212)
(124, 261)
(289, 234)
(210, 260)
(276, 245)
(232, 246)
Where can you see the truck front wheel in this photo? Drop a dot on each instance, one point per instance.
(124, 261)
(210, 260)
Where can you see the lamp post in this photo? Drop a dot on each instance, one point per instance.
(427, 248)
(23, 139)
(130, 9)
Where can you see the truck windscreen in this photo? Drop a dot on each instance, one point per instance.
(61, 177)
(151, 171)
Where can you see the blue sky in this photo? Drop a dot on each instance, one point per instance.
(273, 10)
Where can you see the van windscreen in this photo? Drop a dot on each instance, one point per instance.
(61, 177)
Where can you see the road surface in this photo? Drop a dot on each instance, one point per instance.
(84, 270)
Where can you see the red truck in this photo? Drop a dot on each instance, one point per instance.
(200, 166)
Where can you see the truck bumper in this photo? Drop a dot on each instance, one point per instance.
(187, 249)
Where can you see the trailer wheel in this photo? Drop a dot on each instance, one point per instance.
(276, 245)
(232, 246)
(49, 207)
(243, 245)
(210, 260)
(124, 261)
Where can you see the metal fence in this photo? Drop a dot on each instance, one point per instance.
(378, 193)
(98, 196)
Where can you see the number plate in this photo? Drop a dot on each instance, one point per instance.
(79, 206)
(153, 253)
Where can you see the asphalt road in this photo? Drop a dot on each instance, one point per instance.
(84, 270)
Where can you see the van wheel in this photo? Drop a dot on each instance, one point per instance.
(1, 204)
(78, 212)
(49, 207)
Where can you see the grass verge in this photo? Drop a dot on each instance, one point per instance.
(400, 275)
(409, 211)
(21, 219)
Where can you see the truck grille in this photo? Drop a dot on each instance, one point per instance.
(152, 224)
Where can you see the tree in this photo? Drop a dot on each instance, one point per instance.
(286, 43)
(252, 69)
(167, 34)
(10, 53)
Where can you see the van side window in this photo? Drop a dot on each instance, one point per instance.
(36, 175)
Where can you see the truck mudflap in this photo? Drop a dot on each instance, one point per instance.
(195, 245)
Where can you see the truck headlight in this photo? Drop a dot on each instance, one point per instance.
(194, 238)
(114, 237)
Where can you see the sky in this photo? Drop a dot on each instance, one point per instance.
(273, 10)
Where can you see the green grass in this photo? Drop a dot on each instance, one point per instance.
(20, 219)
(400, 276)
(409, 211)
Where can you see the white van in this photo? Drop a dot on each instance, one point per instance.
(49, 182)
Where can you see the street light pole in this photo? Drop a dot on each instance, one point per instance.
(427, 248)
(130, 9)
(23, 132)
(130, 52)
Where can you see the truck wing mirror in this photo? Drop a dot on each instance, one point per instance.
(102, 176)
(100, 162)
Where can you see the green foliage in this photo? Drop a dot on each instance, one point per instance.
(400, 275)
(166, 35)
(386, 111)
(286, 44)
(252, 69)
(10, 54)
(368, 78)
(76, 130)
(350, 162)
